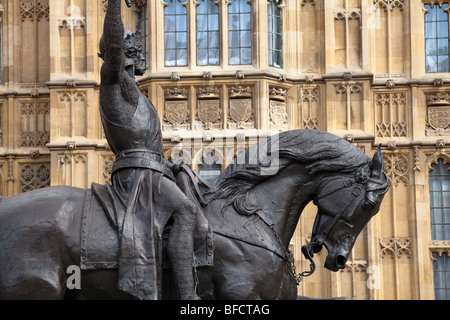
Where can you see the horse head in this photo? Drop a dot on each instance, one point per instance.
(346, 203)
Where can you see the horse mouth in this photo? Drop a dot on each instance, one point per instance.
(335, 262)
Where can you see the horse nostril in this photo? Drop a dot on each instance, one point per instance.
(340, 261)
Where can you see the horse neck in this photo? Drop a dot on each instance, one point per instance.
(283, 197)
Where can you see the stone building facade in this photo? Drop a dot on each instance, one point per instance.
(224, 73)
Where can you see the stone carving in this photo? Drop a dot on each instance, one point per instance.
(356, 266)
(391, 115)
(438, 115)
(395, 247)
(390, 4)
(34, 10)
(208, 108)
(350, 106)
(396, 167)
(34, 176)
(240, 113)
(35, 119)
(310, 103)
(177, 110)
(108, 162)
(278, 114)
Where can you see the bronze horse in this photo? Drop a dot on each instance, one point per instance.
(252, 209)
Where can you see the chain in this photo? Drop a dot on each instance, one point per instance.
(289, 257)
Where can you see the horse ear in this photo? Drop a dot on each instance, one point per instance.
(377, 163)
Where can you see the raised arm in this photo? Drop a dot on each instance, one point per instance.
(113, 33)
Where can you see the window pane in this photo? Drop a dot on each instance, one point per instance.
(170, 8)
(430, 30)
(439, 279)
(182, 57)
(436, 216)
(234, 39)
(446, 234)
(213, 23)
(233, 22)
(202, 39)
(202, 23)
(245, 7)
(214, 57)
(443, 64)
(169, 23)
(246, 22)
(214, 40)
(447, 216)
(234, 7)
(443, 47)
(246, 39)
(170, 40)
(442, 29)
(202, 57)
(429, 14)
(438, 233)
(170, 58)
(181, 40)
(446, 198)
(181, 23)
(212, 7)
(431, 47)
(435, 183)
(201, 8)
(246, 56)
(442, 15)
(234, 56)
(431, 64)
(446, 184)
(180, 9)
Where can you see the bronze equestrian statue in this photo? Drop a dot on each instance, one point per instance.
(136, 238)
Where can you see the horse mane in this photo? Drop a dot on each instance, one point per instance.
(320, 151)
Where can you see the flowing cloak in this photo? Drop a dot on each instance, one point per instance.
(136, 181)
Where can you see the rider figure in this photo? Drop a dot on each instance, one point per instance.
(141, 177)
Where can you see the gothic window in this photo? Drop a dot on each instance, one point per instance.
(208, 36)
(437, 38)
(440, 201)
(441, 271)
(209, 168)
(240, 32)
(175, 34)
(141, 27)
(275, 34)
(1, 31)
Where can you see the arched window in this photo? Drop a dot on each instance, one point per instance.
(441, 270)
(208, 36)
(275, 34)
(175, 34)
(440, 201)
(240, 32)
(437, 38)
(141, 27)
(440, 226)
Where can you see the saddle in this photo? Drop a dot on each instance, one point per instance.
(103, 211)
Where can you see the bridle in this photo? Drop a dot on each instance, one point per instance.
(362, 176)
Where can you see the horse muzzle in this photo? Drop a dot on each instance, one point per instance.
(336, 261)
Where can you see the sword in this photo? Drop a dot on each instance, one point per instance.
(128, 2)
